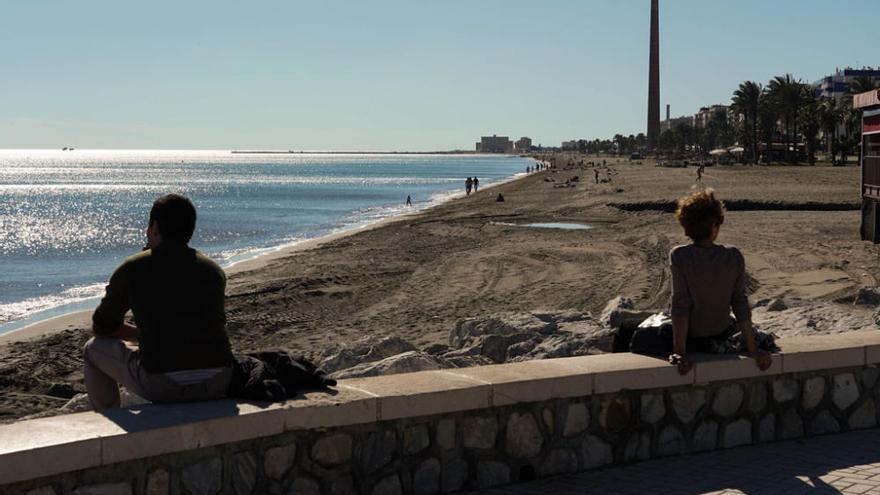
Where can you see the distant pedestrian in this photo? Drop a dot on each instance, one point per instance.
(408, 200)
(468, 184)
(528, 169)
(476, 184)
(596, 172)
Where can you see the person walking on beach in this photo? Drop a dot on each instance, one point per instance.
(708, 280)
(596, 172)
(408, 200)
(476, 184)
(468, 184)
(700, 173)
(178, 350)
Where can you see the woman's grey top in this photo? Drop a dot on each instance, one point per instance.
(707, 282)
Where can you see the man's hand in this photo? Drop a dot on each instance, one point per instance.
(684, 366)
(762, 359)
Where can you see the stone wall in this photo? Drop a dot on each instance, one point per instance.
(508, 441)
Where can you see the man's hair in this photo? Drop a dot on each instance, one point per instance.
(698, 212)
(176, 217)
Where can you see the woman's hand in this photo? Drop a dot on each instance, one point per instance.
(762, 359)
(684, 366)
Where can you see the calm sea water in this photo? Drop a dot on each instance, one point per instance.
(67, 218)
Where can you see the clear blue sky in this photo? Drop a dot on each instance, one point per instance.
(377, 75)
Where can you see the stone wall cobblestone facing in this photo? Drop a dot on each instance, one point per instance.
(491, 447)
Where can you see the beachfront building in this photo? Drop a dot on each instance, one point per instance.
(672, 123)
(706, 114)
(523, 144)
(837, 85)
(495, 144)
(570, 145)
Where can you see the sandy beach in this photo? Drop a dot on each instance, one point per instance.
(415, 276)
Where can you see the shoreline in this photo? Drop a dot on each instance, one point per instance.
(82, 318)
(286, 250)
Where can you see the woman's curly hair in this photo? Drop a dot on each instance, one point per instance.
(698, 212)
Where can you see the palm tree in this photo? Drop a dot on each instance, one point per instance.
(746, 101)
(787, 93)
(830, 117)
(810, 117)
(776, 93)
(768, 121)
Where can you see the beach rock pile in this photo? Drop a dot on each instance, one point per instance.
(372, 356)
(493, 339)
(524, 336)
(796, 317)
(516, 337)
(364, 350)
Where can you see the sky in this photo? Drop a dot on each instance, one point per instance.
(392, 75)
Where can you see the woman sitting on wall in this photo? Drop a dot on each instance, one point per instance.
(708, 280)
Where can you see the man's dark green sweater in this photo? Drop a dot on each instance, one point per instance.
(177, 296)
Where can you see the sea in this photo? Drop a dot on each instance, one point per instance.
(68, 218)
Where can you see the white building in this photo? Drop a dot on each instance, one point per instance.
(706, 114)
(523, 144)
(495, 144)
(837, 85)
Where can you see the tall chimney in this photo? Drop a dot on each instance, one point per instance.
(654, 78)
(667, 111)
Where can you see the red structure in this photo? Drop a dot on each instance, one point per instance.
(654, 78)
(869, 103)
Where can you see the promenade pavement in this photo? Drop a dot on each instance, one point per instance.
(847, 463)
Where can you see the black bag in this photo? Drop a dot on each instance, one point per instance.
(653, 336)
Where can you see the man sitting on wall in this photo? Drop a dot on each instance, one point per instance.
(178, 350)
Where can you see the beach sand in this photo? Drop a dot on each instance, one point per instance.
(415, 276)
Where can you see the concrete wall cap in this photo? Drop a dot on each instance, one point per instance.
(49, 446)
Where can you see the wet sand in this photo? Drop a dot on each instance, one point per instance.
(414, 277)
